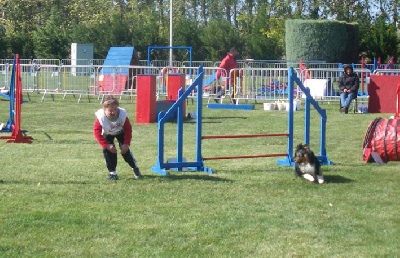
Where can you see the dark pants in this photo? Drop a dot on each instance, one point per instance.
(220, 91)
(111, 158)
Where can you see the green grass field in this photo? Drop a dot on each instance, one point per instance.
(56, 201)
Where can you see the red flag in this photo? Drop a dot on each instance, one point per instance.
(304, 71)
(389, 64)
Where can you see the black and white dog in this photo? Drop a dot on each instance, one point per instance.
(307, 165)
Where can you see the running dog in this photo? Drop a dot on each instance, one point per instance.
(307, 165)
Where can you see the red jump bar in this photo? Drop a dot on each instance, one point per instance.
(249, 156)
(243, 136)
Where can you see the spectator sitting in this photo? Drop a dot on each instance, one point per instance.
(348, 85)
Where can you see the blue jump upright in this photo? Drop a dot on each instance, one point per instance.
(179, 163)
(323, 157)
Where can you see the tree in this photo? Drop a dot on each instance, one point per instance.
(336, 41)
(143, 22)
(218, 37)
(145, 28)
(3, 41)
(186, 33)
(21, 18)
(382, 39)
(51, 39)
(267, 42)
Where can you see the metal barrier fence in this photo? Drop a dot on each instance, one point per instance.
(330, 76)
(271, 83)
(252, 82)
(387, 72)
(197, 64)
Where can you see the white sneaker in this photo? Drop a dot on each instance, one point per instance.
(320, 179)
(308, 177)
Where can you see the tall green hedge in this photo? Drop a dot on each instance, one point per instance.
(323, 40)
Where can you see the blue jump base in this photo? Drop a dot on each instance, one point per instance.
(6, 96)
(232, 106)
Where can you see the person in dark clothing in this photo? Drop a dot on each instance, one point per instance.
(349, 83)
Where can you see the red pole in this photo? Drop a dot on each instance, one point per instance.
(362, 73)
(18, 93)
(398, 101)
(16, 135)
(248, 156)
(243, 136)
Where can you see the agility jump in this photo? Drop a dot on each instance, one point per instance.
(246, 136)
(14, 123)
(180, 164)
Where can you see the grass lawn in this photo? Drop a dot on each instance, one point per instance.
(56, 201)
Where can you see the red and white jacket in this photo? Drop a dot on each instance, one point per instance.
(104, 126)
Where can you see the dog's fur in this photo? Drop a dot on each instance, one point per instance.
(305, 160)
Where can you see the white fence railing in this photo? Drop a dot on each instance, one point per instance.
(251, 82)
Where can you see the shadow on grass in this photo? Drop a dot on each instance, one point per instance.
(28, 182)
(336, 179)
(186, 176)
(48, 136)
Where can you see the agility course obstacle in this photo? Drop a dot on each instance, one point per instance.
(163, 117)
(111, 79)
(180, 164)
(14, 123)
(147, 107)
(146, 99)
(382, 93)
(4, 95)
(11, 97)
(210, 79)
(381, 140)
(309, 100)
(231, 106)
(241, 136)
